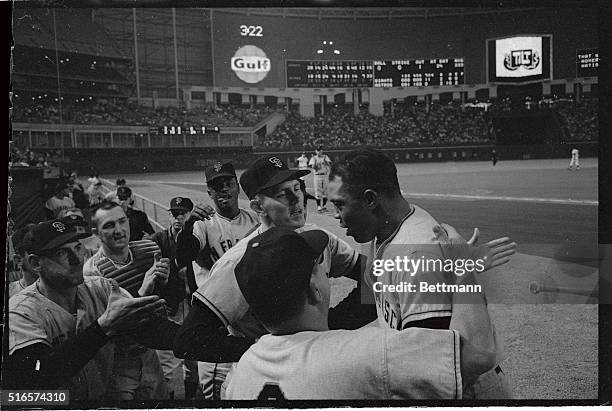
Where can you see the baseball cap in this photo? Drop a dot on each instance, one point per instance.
(266, 172)
(123, 193)
(181, 204)
(50, 235)
(78, 222)
(277, 265)
(219, 170)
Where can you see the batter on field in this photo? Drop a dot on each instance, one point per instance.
(320, 164)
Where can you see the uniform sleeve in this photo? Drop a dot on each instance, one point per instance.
(25, 330)
(343, 256)
(423, 364)
(199, 232)
(89, 268)
(222, 294)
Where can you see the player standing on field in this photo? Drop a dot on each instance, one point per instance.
(302, 161)
(365, 191)
(205, 237)
(320, 163)
(575, 159)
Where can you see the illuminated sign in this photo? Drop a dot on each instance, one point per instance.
(518, 56)
(250, 64)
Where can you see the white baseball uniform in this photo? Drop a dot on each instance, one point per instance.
(14, 287)
(575, 159)
(302, 162)
(55, 205)
(321, 166)
(415, 239)
(33, 319)
(367, 363)
(219, 234)
(222, 294)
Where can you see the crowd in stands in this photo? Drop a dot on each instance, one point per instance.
(580, 120)
(86, 110)
(28, 158)
(403, 125)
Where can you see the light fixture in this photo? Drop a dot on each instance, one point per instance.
(319, 51)
(336, 51)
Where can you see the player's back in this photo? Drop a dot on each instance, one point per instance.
(368, 363)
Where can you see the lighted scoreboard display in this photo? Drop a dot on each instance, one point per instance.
(419, 73)
(587, 63)
(329, 73)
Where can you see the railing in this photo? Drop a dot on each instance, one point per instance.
(150, 207)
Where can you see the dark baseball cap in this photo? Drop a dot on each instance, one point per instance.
(219, 170)
(123, 193)
(78, 222)
(181, 204)
(277, 265)
(50, 235)
(266, 172)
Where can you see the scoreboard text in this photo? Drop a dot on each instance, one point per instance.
(378, 73)
(418, 73)
(587, 62)
(329, 74)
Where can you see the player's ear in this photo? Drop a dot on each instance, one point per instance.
(35, 263)
(371, 198)
(256, 206)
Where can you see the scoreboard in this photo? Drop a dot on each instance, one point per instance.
(587, 62)
(329, 73)
(378, 73)
(418, 73)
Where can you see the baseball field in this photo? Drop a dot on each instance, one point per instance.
(550, 338)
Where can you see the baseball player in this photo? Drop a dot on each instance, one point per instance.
(135, 266)
(60, 200)
(302, 161)
(64, 328)
(112, 195)
(179, 211)
(365, 191)
(276, 196)
(206, 236)
(281, 278)
(575, 159)
(320, 163)
(27, 276)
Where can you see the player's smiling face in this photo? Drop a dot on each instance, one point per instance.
(113, 228)
(284, 204)
(353, 212)
(224, 193)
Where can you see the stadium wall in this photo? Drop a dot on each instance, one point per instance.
(111, 161)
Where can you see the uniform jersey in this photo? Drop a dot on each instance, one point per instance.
(575, 152)
(320, 164)
(34, 319)
(222, 294)
(302, 162)
(415, 239)
(367, 363)
(15, 287)
(56, 205)
(219, 234)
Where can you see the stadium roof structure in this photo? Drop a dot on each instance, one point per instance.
(74, 29)
(359, 13)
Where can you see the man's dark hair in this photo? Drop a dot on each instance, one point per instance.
(367, 169)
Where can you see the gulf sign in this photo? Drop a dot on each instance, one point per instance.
(250, 64)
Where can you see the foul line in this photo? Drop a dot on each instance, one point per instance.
(502, 198)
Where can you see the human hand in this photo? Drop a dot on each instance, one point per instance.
(123, 314)
(492, 254)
